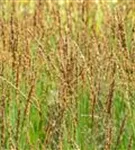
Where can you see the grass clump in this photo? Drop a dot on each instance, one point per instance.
(67, 75)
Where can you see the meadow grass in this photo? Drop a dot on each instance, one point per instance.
(67, 75)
